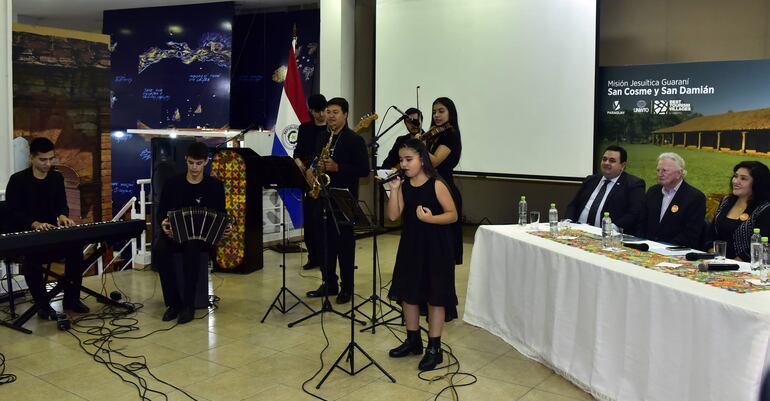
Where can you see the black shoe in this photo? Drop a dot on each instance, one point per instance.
(344, 297)
(433, 355)
(170, 314)
(309, 266)
(185, 315)
(76, 306)
(322, 291)
(411, 346)
(47, 313)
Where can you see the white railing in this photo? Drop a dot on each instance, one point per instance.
(140, 254)
(100, 267)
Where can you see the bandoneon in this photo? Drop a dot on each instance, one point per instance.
(197, 223)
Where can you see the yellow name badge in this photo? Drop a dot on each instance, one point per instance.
(674, 208)
(744, 216)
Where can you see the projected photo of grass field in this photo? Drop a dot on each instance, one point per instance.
(710, 145)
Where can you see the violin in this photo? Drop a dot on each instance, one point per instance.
(434, 132)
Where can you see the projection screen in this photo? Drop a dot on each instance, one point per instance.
(521, 73)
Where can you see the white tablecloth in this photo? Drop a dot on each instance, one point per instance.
(620, 331)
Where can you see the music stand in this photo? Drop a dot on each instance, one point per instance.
(350, 214)
(328, 211)
(281, 172)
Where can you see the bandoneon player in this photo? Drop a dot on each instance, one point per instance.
(192, 189)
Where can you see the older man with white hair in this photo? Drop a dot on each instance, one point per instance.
(674, 211)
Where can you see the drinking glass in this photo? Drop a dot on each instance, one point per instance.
(617, 237)
(534, 219)
(720, 251)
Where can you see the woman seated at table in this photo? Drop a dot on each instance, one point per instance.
(748, 207)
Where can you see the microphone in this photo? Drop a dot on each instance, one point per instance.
(398, 174)
(698, 256)
(717, 267)
(638, 246)
(404, 116)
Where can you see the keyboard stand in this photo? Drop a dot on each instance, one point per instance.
(61, 283)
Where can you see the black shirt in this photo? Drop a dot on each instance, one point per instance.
(725, 228)
(178, 193)
(393, 160)
(451, 139)
(309, 138)
(31, 199)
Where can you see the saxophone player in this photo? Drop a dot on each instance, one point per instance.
(309, 142)
(346, 164)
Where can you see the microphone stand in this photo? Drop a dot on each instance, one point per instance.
(238, 136)
(374, 298)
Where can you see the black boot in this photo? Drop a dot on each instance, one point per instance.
(432, 355)
(412, 345)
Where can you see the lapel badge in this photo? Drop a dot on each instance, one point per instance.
(674, 208)
(744, 216)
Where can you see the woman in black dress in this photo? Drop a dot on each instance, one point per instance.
(444, 148)
(424, 271)
(746, 208)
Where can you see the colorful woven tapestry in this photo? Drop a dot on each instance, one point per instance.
(230, 168)
(730, 280)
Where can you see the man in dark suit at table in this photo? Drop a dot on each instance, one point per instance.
(674, 211)
(613, 190)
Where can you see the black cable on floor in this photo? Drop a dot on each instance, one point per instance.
(320, 369)
(100, 329)
(113, 323)
(451, 376)
(5, 378)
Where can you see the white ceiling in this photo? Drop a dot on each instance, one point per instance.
(87, 14)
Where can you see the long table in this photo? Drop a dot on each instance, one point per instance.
(617, 330)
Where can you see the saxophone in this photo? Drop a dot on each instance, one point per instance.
(319, 178)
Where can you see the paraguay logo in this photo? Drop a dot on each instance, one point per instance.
(289, 136)
(616, 108)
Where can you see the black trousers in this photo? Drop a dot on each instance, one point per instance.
(179, 284)
(311, 208)
(33, 271)
(339, 247)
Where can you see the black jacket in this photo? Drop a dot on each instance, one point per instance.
(739, 240)
(684, 220)
(624, 202)
(352, 158)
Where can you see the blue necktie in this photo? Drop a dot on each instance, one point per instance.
(595, 205)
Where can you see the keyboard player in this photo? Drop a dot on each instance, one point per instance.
(36, 200)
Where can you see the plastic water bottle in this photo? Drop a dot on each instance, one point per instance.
(553, 220)
(606, 231)
(763, 270)
(756, 250)
(523, 211)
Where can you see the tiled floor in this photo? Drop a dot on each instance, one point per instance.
(230, 355)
